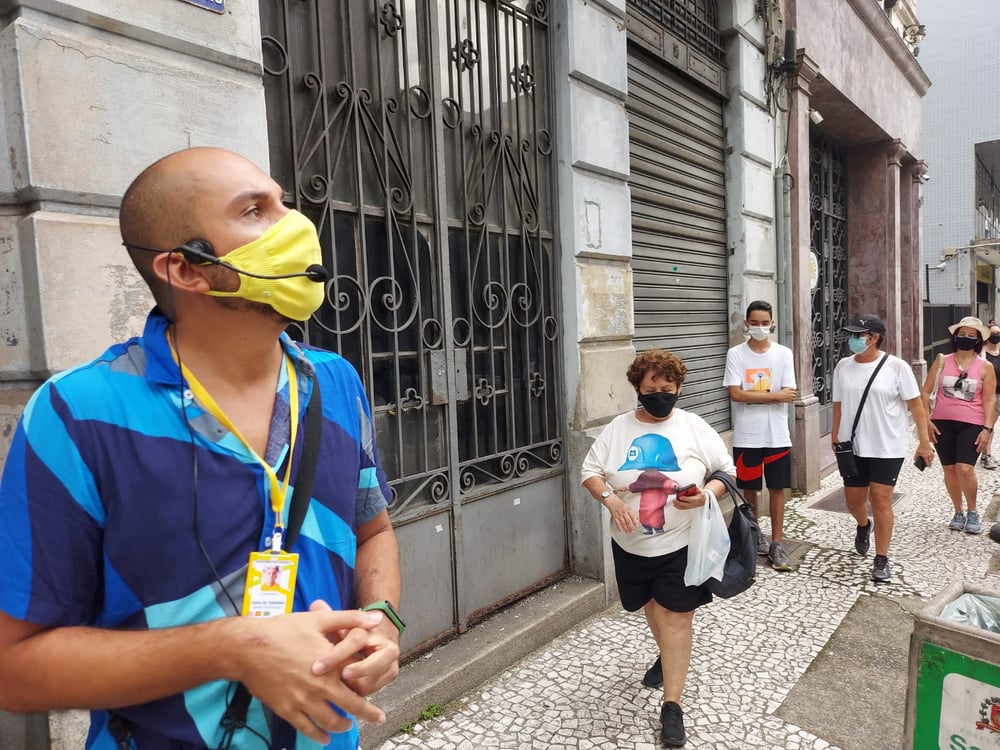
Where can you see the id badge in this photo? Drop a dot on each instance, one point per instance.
(270, 585)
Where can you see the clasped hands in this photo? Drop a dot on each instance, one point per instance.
(299, 664)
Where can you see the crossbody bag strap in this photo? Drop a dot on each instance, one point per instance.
(235, 716)
(864, 396)
(302, 493)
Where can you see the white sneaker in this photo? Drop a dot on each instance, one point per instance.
(989, 462)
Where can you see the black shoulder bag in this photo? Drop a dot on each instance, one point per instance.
(235, 716)
(846, 459)
(740, 571)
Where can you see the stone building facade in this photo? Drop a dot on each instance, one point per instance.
(856, 232)
(685, 176)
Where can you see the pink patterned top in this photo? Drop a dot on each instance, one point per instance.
(960, 394)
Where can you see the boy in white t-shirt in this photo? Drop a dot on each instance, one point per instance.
(760, 376)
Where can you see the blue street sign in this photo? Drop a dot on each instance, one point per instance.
(218, 6)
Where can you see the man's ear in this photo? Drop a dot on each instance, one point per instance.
(174, 270)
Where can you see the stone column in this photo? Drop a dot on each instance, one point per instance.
(807, 450)
(912, 268)
(894, 210)
(873, 234)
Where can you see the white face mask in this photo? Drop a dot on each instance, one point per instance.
(759, 333)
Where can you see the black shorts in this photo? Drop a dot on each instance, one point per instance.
(957, 442)
(755, 465)
(877, 470)
(661, 578)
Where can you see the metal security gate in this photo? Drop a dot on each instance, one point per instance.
(828, 245)
(677, 181)
(417, 135)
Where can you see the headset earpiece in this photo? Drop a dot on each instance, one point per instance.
(197, 252)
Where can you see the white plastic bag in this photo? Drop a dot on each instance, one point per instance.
(708, 546)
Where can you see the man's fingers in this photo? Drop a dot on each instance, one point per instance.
(343, 651)
(331, 620)
(377, 669)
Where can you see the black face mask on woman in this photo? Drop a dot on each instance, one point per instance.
(995, 338)
(658, 405)
(965, 343)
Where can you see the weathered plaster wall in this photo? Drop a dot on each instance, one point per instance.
(750, 142)
(595, 225)
(92, 92)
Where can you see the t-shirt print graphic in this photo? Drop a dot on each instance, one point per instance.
(960, 386)
(757, 379)
(652, 453)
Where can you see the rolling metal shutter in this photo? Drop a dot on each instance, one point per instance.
(679, 255)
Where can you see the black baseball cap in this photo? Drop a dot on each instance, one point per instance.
(867, 324)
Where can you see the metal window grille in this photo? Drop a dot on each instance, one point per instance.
(828, 243)
(694, 21)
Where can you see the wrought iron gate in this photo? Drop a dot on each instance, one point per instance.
(828, 243)
(417, 135)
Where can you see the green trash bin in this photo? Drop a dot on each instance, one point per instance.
(953, 696)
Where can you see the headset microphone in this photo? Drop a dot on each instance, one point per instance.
(316, 272)
(199, 251)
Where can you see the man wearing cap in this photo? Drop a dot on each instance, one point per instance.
(963, 416)
(881, 437)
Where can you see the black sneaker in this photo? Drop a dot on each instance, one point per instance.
(672, 725)
(863, 538)
(654, 675)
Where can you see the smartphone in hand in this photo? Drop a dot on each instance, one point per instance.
(920, 463)
(688, 490)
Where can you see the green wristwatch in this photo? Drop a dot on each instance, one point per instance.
(390, 612)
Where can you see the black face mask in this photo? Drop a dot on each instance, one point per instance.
(965, 343)
(658, 405)
(995, 338)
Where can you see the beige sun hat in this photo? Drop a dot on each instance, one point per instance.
(970, 322)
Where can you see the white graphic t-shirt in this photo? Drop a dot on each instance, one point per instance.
(760, 425)
(647, 464)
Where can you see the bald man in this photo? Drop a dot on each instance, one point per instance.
(145, 490)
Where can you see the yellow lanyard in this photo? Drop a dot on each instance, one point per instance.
(279, 490)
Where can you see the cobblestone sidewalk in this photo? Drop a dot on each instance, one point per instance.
(583, 690)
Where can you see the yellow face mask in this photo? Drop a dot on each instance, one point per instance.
(289, 246)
